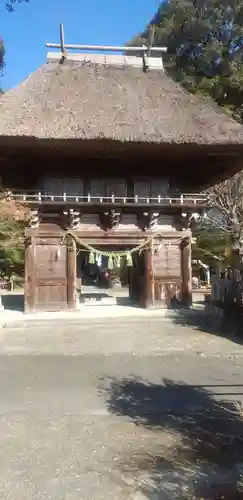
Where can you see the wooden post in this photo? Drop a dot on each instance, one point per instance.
(71, 273)
(149, 282)
(150, 39)
(62, 38)
(130, 278)
(30, 275)
(186, 271)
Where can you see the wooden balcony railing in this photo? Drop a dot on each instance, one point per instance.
(40, 198)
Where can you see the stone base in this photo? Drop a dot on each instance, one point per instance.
(1, 304)
(98, 300)
(225, 317)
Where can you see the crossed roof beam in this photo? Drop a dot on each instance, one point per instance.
(144, 51)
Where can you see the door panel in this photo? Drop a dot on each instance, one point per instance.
(142, 189)
(73, 187)
(52, 186)
(97, 188)
(165, 292)
(116, 187)
(167, 275)
(159, 187)
(58, 186)
(167, 261)
(51, 278)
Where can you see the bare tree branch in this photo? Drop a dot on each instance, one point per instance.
(227, 199)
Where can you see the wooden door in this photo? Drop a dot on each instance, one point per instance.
(142, 189)
(137, 280)
(46, 276)
(159, 187)
(167, 274)
(51, 277)
(57, 186)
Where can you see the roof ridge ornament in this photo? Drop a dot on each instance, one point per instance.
(144, 50)
(62, 43)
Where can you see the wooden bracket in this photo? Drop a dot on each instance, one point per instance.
(70, 219)
(148, 220)
(183, 221)
(185, 241)
(34, 220)
(109, 220)
(28, 241)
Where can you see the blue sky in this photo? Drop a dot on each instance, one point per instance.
(25, 31)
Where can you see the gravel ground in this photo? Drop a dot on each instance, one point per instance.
(129, 335)
(127, 409)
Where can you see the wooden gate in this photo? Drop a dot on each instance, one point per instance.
(160, 277)
(167, 274)
(156, 276)
(49, 276)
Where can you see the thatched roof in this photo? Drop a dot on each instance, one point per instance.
(81, 101)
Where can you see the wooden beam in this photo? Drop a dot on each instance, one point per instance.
(62, 41)
(151, 39)
(107, 48)
(71, 273)
(186, 269)
(149, 278)
(30, 275)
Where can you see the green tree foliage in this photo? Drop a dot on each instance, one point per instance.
(11, 4)
(204, 39)
(213, 246)
(11, 258)
(13, 218)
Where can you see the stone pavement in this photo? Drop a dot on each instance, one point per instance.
(151, 334)
(122, 408)
(115, 304)
(84, 313)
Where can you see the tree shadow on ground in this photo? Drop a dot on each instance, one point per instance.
(201, 322)
(207, 438)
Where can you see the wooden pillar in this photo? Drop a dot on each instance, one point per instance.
(149, 282)
(133, 280)
(186, 264)
(130, 279)
(30, 275)
(71, 273)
